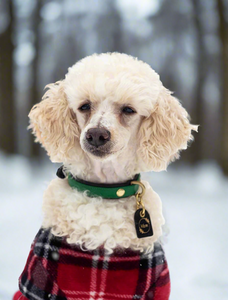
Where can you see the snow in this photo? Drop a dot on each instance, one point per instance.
(195, 206)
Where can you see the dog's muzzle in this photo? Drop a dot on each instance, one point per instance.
(98, 142)
(98, 136)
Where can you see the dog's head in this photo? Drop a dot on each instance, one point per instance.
(110, 105)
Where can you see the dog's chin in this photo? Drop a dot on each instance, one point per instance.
(102, 153)
(97, 153)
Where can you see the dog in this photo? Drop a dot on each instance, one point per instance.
(108, 120)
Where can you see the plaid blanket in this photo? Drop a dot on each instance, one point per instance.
(56, 270)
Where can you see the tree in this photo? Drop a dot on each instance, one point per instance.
(34, 92)
(201, 70)
(7, 112)
(223, 33)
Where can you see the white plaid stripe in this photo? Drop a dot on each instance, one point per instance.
(33, 295)
(104, 273)
(93, 278)
(75, 295)
(47, 244)
(159, 253)
(118, 296)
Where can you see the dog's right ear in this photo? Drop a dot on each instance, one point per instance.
(54, 123)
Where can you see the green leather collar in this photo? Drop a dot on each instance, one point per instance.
(107, 191)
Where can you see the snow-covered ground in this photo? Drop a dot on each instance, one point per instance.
(195, 204)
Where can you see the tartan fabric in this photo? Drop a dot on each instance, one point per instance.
(56, 270)
(18, 296)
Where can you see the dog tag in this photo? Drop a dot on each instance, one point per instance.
(143, 224)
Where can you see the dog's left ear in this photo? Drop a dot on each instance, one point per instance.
(54, 124)
(164, 133)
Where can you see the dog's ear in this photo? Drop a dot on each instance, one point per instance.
(164, 133)
(54, 124)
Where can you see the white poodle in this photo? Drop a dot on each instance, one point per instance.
(108, 120)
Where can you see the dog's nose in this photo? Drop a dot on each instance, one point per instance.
(97, 136)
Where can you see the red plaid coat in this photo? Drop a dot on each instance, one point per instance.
(56, 270)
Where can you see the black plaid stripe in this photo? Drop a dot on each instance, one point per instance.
(148, 263)
(144, 265)
(32, 292)
(165, 278)
(47, 245)
(48, 250)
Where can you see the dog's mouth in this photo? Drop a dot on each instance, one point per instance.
(101, 151)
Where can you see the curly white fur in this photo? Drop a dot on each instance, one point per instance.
(147, 140)
(91, 222)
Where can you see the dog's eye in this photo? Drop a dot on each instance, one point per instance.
(128, 110)
(85, 107)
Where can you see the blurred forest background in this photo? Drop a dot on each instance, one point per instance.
(185, 41)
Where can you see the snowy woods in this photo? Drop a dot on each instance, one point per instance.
(185, 41)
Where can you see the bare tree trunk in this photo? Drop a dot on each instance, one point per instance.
(7, 106)
(223, 33)
(197, 148)
(117, 45)
(34, 92)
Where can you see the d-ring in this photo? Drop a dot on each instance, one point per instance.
(142, 187)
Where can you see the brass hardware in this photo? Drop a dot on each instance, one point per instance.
(120, 192)
(139, 196)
